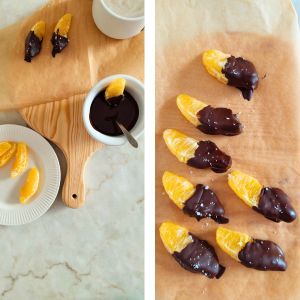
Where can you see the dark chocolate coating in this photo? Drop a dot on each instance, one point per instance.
(241, 74)
(59, 43)
(33, 46)
(219, 121)
(205, 204)
(275, 205)
(263, 255)
(208, 155)
(200, 257)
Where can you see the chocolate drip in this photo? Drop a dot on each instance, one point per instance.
(241, 74)
(200, 257)
(33, 46)
(205, 204)
(59, 43)
(208, 155)
(275, 205)
(263, 255)
(219, 121)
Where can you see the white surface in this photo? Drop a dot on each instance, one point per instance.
(136, 89)
(42, 156)
(113, 25)
(95, 252)
(126, 8)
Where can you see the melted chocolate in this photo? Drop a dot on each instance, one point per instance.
(200, 257)
(33, 46)
(208, 155)
(59, 43)
(241, 74)
(103, 113)
(263, 255)
(219, 121)
(205, 204)
(275, 205)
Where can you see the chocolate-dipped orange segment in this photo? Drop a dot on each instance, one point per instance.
(200, 155)
(114, 93)
(34, 39)
(231, 70)
(271, 202)
(196, 201)
(193, 254)
(253, 253)
(208, 119)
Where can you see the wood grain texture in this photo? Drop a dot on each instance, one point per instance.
(61, 122)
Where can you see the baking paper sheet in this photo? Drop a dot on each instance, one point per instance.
(89, 57)
(266, 33)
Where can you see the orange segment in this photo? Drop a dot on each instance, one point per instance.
(231, 242)
(115, 88)
(39, 29)
(182, 146)
(245, 187)
(214, 62)
(63, 25)
(31, 185)
(174, 237)
(21, 162)
(4, 147)
(5, 158)
(178, 188)
(189, 107)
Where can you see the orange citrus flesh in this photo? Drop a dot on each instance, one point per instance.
(214, 62)
(189, 107)
(232, 242)
(245, 187)
(115, 88)
(174, 237)
(4, 147)
(30, 186)
(5, 158)
(63, 25)
(39, 29)
(21, 162)
(182, 146)
(178, 188)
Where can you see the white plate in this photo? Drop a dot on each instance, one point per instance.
(41, 155)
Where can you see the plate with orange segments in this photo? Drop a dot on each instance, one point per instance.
(29, 175)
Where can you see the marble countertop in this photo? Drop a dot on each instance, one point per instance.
(95, 252)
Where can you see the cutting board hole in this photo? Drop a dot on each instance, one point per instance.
(74, 196)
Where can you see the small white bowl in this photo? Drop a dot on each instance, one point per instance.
(113, 25)
(136, 89)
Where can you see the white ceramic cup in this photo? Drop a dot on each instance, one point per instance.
(136, 89)
(113, 25)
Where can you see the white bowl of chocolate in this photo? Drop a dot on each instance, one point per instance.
(118, 98)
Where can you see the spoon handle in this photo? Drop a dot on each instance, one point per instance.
(133, 142)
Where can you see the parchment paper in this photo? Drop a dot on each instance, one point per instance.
(266, 33)
(89, 57)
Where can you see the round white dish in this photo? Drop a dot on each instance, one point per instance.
(42, 156)
(136, 89)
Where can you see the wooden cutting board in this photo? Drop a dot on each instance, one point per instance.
(61, 122)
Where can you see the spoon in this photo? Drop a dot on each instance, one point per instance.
(132, 141)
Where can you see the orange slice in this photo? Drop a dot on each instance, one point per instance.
(232, 242)
(31, 185)
(214, 62)
(182, 146)
(39, 29)
(4, 147)
(5, 158)
(245, 187)
(21, 162)
(189, 107)
(63, 25)
(115, 88)
(174, 237)
(178, 188)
